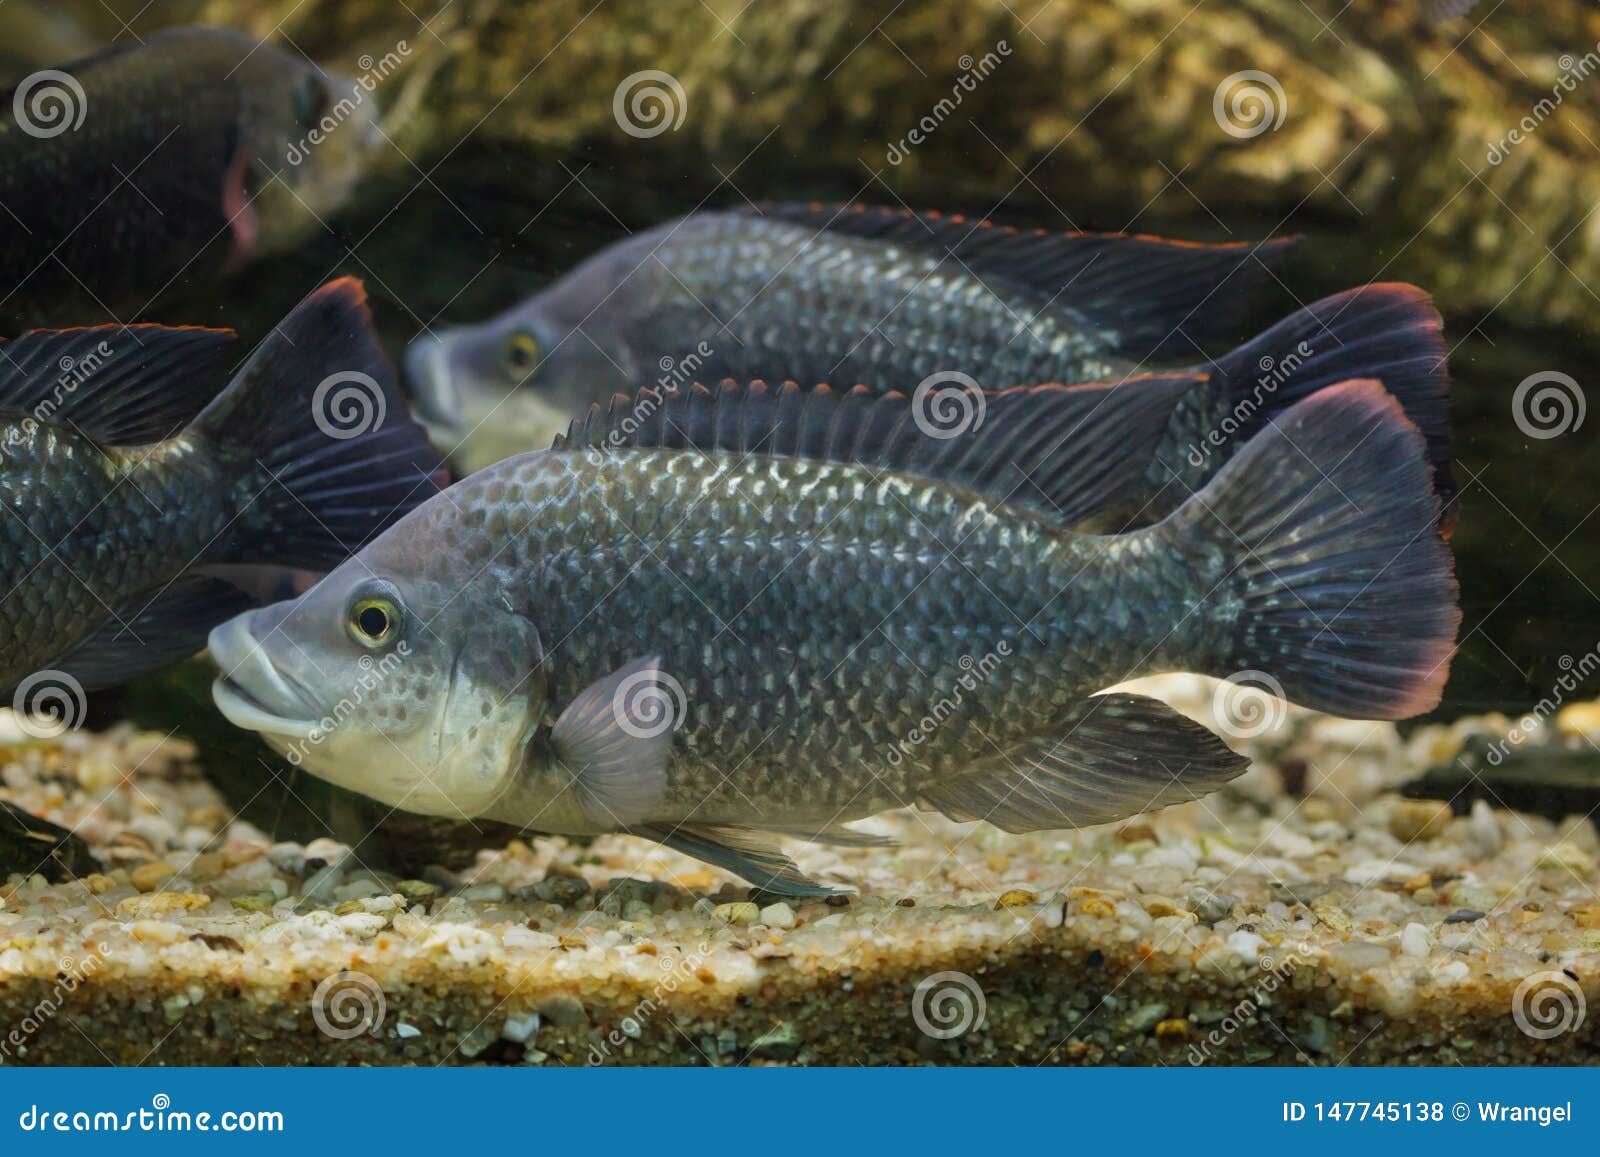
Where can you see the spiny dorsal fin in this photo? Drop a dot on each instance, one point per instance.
(1153, 296)
(1063, 451)
(119, 385)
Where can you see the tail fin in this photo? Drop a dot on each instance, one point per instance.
(1336, 584)
(1390, 332)
(315, 411)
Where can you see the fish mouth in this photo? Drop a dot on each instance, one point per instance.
(433, 394)
(251, 692)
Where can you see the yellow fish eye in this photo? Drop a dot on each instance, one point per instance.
(521, 353)
(374, 622)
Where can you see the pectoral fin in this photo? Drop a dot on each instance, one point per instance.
(616, 746)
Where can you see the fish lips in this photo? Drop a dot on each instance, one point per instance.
(433, 394)
(251, 692)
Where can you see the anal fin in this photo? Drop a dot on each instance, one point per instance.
(1114, 756)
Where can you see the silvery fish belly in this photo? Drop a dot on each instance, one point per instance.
(769, 629)
(932, 305)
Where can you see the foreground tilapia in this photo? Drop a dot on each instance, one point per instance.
(887, 299)
(126, 489)
(161, 163)
(836, 614)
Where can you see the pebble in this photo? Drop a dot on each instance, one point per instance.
(778, 915)
(416, 891)
(149, 877)
(563, 890)
(520, 1028)
(1412, 820)
(1580, 721)
(741, 912)
(484, 894)
(406, 1031)
(161, 904)
(1211, 906)
(1015, 898)
(780, 1043)
(563, 1010)
(1414, 940)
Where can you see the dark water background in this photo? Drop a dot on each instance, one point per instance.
(492, 226)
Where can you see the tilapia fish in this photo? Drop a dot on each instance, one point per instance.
(896, 301)
(126, 490)
(713, 648)
(151, 165)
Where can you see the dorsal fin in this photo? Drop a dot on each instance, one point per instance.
(119, 385)
(1153, 297)
(1063, 451)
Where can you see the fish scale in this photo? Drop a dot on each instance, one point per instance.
(922, 321)
(106, 531)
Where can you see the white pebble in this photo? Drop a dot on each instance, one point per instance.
(778, 915)
(521, 1027)
(1414, 941)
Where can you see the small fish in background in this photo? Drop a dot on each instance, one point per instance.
(119, 514)
(887, 299)
(149, 166)
(717, 649)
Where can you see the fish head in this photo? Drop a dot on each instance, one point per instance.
(510, 384)
(306, 136)
(416, 686)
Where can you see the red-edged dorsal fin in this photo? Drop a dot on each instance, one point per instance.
(119, 385)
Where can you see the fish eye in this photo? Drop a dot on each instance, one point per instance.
(522, 351)
(374, 620)
(310, 100)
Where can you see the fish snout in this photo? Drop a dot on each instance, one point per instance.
(251, 692)
(433, 392)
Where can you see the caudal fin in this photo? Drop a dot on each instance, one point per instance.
(1333, 581)
(1389, 332)
(315, 416)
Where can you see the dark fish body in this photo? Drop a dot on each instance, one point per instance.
(905, 302)
(122, 481)
(702, 645)
(144, 167)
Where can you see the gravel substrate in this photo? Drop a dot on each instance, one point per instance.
(1308, 916)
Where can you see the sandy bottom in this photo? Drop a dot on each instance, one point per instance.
(1338, 924)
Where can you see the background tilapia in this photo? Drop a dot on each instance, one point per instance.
(889, 299)
(151, 166)
(714, 649)
(117, 499)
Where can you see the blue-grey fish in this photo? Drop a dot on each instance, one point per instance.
(889, 300)
(716, 618)
(165, 162)
(119, 507)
